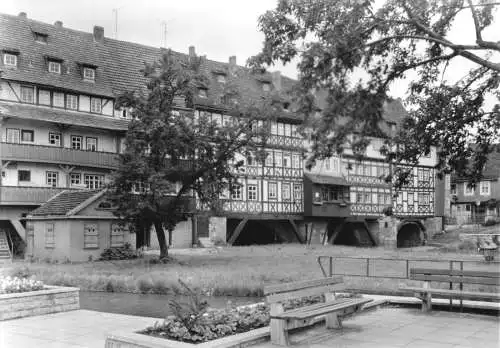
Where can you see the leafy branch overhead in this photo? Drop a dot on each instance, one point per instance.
(351, 52)
(174, 152)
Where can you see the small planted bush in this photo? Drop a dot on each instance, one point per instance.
(10, 285)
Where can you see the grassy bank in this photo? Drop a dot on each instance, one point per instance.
(234, 271)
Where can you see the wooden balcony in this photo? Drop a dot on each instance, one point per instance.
(32, 196)
(58, 155)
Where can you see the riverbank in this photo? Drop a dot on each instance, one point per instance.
(232, 271)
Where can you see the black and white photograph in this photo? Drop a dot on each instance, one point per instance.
(266, 173)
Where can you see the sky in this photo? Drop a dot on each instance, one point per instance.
(217, 28)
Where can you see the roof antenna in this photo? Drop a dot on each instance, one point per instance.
(115, 13)
(164, 34)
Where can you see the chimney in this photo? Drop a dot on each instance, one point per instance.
(276, 77)
(98, 34)
(23, 15)
(58, 24)
(192, 52)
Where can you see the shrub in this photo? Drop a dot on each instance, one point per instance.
(144, 284)
(14, 284)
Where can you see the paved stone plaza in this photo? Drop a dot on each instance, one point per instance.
(385, 327)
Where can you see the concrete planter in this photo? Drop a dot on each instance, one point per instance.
(52, 299)
(135, 340)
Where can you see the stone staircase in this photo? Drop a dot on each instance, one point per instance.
(5, 253)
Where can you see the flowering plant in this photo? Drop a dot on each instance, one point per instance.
(15, 284)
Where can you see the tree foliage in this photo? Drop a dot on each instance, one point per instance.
(353, 51)
(171, 153)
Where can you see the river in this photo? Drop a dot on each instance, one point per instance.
(147, 305)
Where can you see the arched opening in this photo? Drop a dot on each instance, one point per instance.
(354, 234)
(409, 235)
(258, 232)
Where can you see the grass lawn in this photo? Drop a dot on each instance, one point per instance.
(233, 271)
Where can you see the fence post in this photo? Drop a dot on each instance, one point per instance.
(451, 285)
(331, 266)
(461, 284)
(367, 267)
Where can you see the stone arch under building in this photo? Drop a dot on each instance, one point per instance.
(410, 234)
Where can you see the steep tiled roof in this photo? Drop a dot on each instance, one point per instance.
(40, 113)
(118, 64)
(64, 202)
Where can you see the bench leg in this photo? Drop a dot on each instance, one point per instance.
(279, 332)
(427, 302)
(333, 321)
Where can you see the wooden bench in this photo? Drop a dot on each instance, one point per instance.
(334, 309)
(452, 276)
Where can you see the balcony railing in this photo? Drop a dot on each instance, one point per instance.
(18, 195)
(59, 155)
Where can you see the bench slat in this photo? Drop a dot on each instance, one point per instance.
(335, 306)
(455, 279)
(317, 306)
(457, 293)
(278, 288)
(455, 272)
(280, 297)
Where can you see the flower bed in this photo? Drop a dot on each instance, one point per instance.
(9, 285)
(24, 298)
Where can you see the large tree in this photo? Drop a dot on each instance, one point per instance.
(355, 50)
(171, 153)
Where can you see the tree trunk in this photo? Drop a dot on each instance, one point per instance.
(160, 233)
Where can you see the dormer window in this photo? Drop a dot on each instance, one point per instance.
(266, 86)
(202, 92)
(10, 59)
(89, 74)
(40, 37)
(54, 67)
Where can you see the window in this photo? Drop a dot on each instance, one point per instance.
(27, 135)
(202, 93)
(327, 164)
(10, 59)
(50, 240)
(24, 175)
(27, 94)
(367, 197)
(272, 190)
(124, 113)
(90, 236)
(297, 192)
(54, 67)
(252, 192)
(13, 135)
(236, 192)
(278, 159)
(269, 159)
(274, 128)
(58, 99)
(76, 142)
(423, 199)
(367, 170)
(75, 179)
(484, 188)
(221, 78)
(467, 207)
(71, 102)
(266, 86)
(95, 105)
(287, 161)
(285, 192)
(55, 139)
(295, 161)
(40, 37)
(89, 74)
(469, 189)
(91, 144)
(93, 182)
(43, 97)
(359, 197)
(117, 235)
(453, 189)
(52, 178)
(426, 175)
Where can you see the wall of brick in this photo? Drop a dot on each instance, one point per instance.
(26, 304)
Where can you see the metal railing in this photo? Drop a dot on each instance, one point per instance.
(390, 268)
